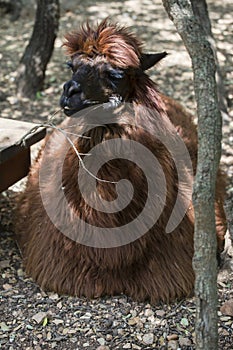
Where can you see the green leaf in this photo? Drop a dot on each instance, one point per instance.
(38, 95)
(184, 321)
(45, 322)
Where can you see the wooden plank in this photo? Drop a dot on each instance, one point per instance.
(15, 157)
(14, 169)
(11, 131)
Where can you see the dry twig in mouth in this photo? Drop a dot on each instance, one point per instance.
(50, 124)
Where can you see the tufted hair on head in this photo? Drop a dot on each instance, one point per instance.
(115, 42)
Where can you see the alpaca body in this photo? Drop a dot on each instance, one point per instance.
(155, 266)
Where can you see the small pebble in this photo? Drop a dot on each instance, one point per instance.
(148, 338)
(148, 312)
(172, 337)
(39, 317)
(160, 313)
(136, 347)
(85, 345)
(184, 341)
(101, 341)
(133, 321)
(108, 337)
(227, 308)
(172, 345)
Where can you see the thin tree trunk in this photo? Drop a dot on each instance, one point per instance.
(200, 10)
(209, 151)
(13, 7)
(31, 72)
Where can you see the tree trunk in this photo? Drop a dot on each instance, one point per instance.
(13, 7)
(39, 50)
(209, 151)
(200, 10)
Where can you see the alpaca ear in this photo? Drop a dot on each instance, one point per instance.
(148, 60)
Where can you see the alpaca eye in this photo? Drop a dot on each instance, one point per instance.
(70, 65)
(116, 74)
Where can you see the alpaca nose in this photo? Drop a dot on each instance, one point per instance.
(71, 87)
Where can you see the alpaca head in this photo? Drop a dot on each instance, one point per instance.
(105, 62)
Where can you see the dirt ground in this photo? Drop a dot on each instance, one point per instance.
(33, 319)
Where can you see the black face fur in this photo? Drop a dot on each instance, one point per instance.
(94, 81)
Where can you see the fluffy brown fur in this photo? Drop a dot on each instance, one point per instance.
(156, 266)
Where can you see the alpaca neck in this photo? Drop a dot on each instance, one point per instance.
(147, 94)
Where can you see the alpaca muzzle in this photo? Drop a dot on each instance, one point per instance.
(73, 99)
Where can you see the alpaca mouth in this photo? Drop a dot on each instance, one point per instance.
(72, 110)
(75, 103)
(69, 111)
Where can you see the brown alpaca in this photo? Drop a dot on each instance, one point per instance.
(108, 65)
